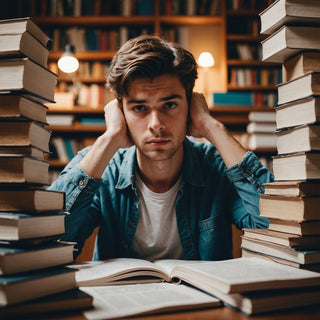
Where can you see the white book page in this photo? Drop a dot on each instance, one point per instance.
(114, 269)
(122, 301)
(245, 274)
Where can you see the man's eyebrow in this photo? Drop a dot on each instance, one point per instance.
(171, 97)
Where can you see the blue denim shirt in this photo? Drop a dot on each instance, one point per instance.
(209, 200)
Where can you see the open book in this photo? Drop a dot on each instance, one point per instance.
(227, 276)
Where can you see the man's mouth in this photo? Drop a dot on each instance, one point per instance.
(157, 142)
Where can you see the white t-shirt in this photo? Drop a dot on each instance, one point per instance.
(157, 234)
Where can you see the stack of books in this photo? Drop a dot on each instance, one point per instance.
(260, 129)
(292, 201)
(32, 260)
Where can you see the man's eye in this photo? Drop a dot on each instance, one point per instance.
(170, 105)
(139, 108)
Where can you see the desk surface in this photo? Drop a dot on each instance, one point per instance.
(221, 313)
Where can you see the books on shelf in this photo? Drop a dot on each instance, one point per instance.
(297, 166)
(283, 252)
(282, 12)
(74, 299)
(31, 200)
(21, 25)
(19, 225)
(299, 88)
(295, 227)
(18, 106)
(282, 238)
(299, 112)
(35, 284)
(234, 98)
(298, 139)
(23, 169)
(27, 77)
(23, 45)
(261, 127)
(22, 259)
(300, 64)
(24, 134)
(291, 208)
(288, 41)
(297, 188)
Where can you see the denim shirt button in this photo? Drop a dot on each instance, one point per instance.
(81, 183)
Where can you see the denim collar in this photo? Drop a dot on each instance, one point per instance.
(193, 171)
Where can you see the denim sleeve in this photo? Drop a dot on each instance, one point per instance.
(81, 202)
(248, 178)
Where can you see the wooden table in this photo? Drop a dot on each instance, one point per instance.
(221, 313)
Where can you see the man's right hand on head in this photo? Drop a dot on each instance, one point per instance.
(116, 124)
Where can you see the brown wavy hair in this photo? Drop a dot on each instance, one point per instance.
(149, 56)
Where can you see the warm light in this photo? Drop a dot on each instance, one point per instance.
(68, 63)
(205, 59)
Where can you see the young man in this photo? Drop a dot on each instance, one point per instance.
(153, 192)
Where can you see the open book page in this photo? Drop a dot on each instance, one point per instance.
(121, 270)
(244, 274)
(122, 301)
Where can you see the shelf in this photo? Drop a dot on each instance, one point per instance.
(191, 20)
(251, 88)
(88, 55)
(78, 128)
(75, 110)
(100, 80)
(245, 37)
(251, 63)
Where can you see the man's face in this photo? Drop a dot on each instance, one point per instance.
(156, 112)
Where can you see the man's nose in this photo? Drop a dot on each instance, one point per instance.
(156, 121)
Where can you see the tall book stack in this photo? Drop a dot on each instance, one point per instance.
(32, 260)
(292, 201)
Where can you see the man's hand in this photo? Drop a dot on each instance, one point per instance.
(199, 116)
(116, 124)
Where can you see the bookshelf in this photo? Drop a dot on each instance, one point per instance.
(246, 71)
(182, 24)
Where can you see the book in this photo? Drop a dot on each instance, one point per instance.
(26, 79)
(145, 299)
(299, 88)
(21, 150)
(227, 276)
(19, 106)
(295, 227)
(23, 45)
(21, 25)
(261, 127)
(262, 116)
(35, 284)
(297, 166)
(251, 254)
(298, 139)
(283, 252)
(19, 225)
(70, 300)
(22, 259)
(289, 41)
(282, 238)
(293, 188)
(24, 133)
(270, 300)
(261, 140)
(23, 169)
(300, 64)
(303, 111)
(282, 12)
(291, 208)
(31, 200)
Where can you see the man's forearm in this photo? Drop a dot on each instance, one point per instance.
(229, 148)
(98, 157)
